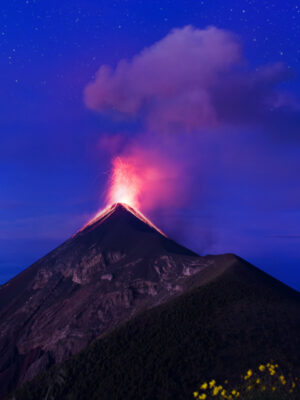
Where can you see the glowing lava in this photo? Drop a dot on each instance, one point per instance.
(102, 215)
(124, 190)
(125, 184)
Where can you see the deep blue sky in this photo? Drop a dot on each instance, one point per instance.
(52, 179)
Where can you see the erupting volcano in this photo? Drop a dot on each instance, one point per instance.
(118, 264)
(116, 268)
(125, 187)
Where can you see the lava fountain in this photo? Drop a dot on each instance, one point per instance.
(125, 184)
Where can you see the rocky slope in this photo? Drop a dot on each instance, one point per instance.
(116, 267)
(235, 317)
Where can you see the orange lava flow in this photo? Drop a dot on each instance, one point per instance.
(102, 215)
(142, 217)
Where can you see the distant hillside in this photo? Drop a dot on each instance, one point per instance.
(240, 318)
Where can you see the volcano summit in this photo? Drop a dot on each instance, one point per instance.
(121, 267)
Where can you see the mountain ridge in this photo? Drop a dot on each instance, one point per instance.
(117, 267)
(216, 329)
(93, 281)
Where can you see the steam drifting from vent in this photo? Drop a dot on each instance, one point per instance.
(145, 178)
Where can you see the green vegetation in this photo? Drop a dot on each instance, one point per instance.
(236, 322)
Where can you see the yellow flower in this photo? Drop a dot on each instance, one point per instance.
(249, 374)
(282, 379)
(272, 371)
(256, 382)
(212, 383)
(216, 390)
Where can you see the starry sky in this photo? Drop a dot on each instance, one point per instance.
(239, 162)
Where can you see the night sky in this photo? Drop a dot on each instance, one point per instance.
(209, 96)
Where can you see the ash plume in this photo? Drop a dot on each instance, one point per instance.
(203, 115)
(193, 79)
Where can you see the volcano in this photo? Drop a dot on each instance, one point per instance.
(121, 269)
(116, 266)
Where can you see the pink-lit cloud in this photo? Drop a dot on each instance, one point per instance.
(189, 80)
(146, 178)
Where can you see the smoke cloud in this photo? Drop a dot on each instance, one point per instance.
(190, 80)
(238, 156)
(145, 175)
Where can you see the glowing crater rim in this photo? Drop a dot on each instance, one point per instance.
(109, 210)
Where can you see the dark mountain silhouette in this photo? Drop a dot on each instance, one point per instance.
(164, 316)
(116, 266)
(235, 317)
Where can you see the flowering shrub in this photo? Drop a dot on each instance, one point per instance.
(267, 382)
